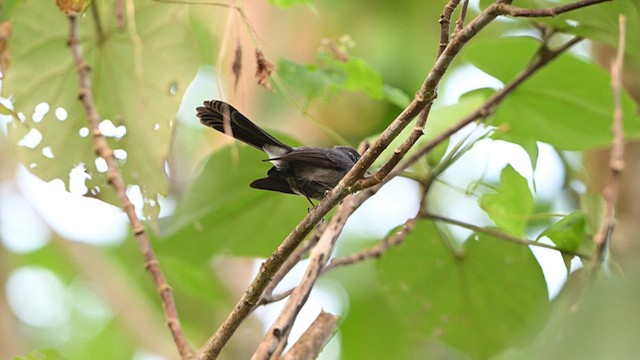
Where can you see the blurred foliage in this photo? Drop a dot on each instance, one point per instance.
(438, 295)
(138, 77)
(460, 296)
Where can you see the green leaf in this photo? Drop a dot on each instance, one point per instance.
(311, 81)
(220, 210)
(531, 147)
(396, 96)
(42, 354)
(488, 297)
(567, 104)
(288, 3)
(137, 82)
(512, 203)
(567, 234)
(330, 76)
(361, 77)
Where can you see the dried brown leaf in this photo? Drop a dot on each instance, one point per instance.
(263, 70)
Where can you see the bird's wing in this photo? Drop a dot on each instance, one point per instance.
(313, 156)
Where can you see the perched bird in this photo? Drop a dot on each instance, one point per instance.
(307, 171)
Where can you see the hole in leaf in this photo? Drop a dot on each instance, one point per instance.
(84, 132)
(31, 140)
(167, 168)
(572, 23)
(120, 154)
(77, 179)
(40, 111)
(101, 165)
(47, 152)
(61, 114)
(107, 128)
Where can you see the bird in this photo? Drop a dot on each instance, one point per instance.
(307, 171)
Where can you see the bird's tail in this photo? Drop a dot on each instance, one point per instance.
(215, 114)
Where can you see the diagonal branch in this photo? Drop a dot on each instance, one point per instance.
(314, 339)
(115, 179)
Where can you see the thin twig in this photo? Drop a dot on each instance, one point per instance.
(376, 251)
(115, 179)
(616, 159)
(501, 235)
(510, 10)
(399, 236)
(445, 24)
(349, 184)
(277, 335)
(463, 15)
(314, 339)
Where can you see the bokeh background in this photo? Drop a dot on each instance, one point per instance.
(72, 277)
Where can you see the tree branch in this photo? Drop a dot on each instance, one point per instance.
(463, 15)
(115, 179)
(501, 235)
(314, 339)
(445, 24)
(510, 10)
(376, 251)
(616, 158)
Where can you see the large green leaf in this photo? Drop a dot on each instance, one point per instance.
(512, 203)
(568, 104)
(138, 77)
(481, 300)
(221, 211)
